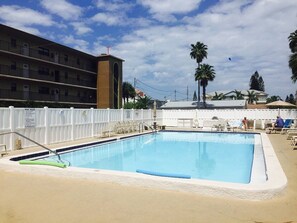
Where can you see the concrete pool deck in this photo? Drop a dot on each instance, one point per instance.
(27, 197)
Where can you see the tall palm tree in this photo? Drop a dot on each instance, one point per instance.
(198, 52)
(251, 97)
(293, 41)
(205, 73)
(293, 57)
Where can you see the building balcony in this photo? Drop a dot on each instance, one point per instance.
(45, 55)
(36, 96)
(45, 76)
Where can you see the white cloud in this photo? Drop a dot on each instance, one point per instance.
(108, 19)
(81, 28)
(164, 10)
(17, 16)
(170, 6)
(62, 8)
(78, 44)
(253, 33)
(113, 5)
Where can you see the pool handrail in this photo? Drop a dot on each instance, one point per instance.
(31, 140)
(147, 125)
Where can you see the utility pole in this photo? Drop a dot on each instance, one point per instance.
(187, 93)
(134, 85)
(175, 95)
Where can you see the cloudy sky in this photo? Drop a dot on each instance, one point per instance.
(154, 38)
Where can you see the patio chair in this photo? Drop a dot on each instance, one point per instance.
(234, 124)
(291, 133)
(294, 142)
(287, 124)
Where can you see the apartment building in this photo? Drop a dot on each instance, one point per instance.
(45, 72)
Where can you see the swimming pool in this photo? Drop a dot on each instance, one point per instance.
(211, 156)
(267, 178)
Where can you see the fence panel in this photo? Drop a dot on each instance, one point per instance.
(53, 125)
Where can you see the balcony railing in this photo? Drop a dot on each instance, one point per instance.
(34, 74)
(46, 56)
(35, 96)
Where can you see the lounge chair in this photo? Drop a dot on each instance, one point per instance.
(287, 125)
(234, 124)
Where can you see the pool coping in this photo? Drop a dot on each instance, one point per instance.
(275, 184)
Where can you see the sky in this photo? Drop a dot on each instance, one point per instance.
(154, 38)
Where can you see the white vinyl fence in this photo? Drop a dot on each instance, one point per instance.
(53, 125)
(179, 117)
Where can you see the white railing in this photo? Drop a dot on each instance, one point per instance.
(53, 125)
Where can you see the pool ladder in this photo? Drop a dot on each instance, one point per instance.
(142, 124)
(31, 140)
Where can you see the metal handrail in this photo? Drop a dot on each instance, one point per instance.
(147, 125)
(31, 140)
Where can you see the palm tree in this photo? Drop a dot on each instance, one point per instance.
(238, 95)
(205, 73)
(293, 57)
(198, 52)
(128, 91)
(293, 66)
(219, 96)
(293, 41)
(252, 97)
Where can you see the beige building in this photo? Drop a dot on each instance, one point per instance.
(41, 71)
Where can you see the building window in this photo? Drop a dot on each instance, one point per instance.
(13, 65)
(43, 51)
(43, 71)
(66, 58)
(13, 87)
(78, 61)
(43, 90)
(13, 42)
(66, 92)
(78, 94)
(66, 75)
(78, 77)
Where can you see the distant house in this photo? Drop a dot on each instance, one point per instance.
(231, 95)
(218, 104)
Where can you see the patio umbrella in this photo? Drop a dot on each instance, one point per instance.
(280, 104)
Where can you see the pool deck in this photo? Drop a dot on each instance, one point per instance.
(27, 197)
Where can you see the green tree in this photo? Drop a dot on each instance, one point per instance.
(198, 52)
(194, 96)
(293, 57)
(273, 98)
(252, 97)
(238, 95)
(257, 82)
(217, 96)
(128, 91)
(205, 73)
(143, 102)
(290, 99)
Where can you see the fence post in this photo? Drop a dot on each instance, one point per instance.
(142, 115)
(108, 116)
(132, 114)
(122, 114)
(72, 122)
(92, 122)
(12, 126)
(46, 126)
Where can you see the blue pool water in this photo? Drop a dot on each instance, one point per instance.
(212, 156)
